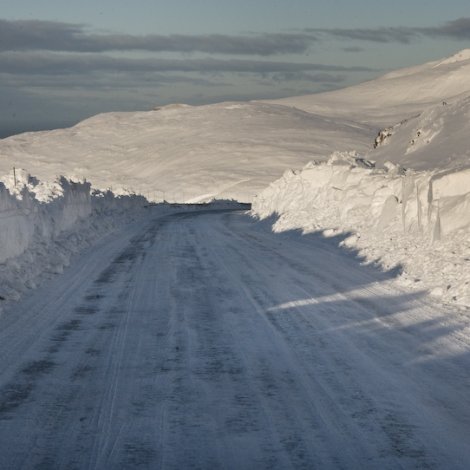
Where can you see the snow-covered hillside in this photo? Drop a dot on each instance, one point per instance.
(183, 153)
(395, 96)
(233, 150)
(438, 138)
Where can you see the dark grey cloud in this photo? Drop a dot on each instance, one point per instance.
(36, 35)
(352, 49)
(308, 77)
(106, 81)
(65, 37)
(19, 63)
(458, 29)
(384, 35)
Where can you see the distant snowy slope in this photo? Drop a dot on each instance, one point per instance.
(394, 96)
(184, 153)
(437, 138)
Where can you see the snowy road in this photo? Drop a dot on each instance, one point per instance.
(202, 340)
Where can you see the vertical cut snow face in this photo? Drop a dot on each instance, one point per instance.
(25, 218)
(42, 225)
(417, 220)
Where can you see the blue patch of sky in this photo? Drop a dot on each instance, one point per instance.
(222, 16)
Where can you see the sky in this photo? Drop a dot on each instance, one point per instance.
(61, 62)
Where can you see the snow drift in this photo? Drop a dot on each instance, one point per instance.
(420, 220)
(43, 224)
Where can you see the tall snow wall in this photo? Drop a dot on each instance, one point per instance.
(43, 224)
(24, 219)
(420, 220)
(341, 195)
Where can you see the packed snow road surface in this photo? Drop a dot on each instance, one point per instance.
(203, 340)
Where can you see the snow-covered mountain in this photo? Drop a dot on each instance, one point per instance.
(395, 96)
(233, 150)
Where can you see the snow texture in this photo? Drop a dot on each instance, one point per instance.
(416, 221)
(42, 225)
(436, 138)
(395, 96)
(411, 208)
(185, 153)
(203, 340)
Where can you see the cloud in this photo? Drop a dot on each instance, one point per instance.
(383, 35)
(308, 77)
(352, 49)
(458, 29)
(105, 81)
(65, 37)
(37, 35)
(64, 64)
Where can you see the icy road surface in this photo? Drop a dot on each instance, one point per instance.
(204, 341)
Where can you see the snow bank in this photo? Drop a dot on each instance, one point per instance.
(25, 218)
(420, 220)
(42, 225)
